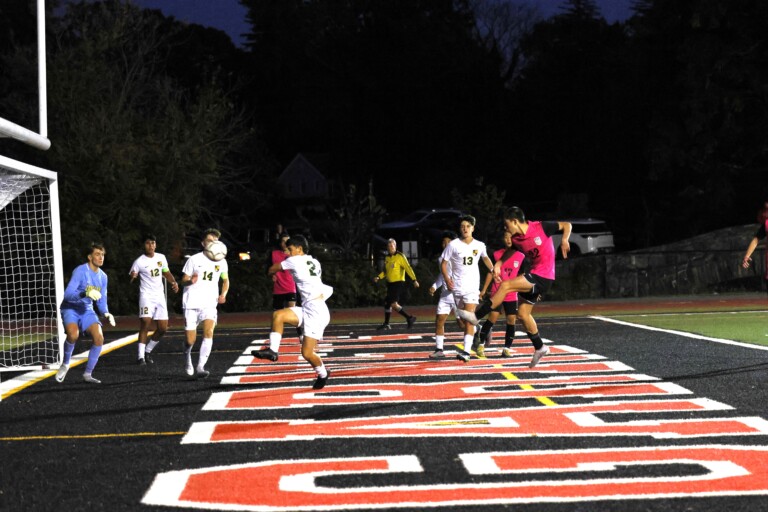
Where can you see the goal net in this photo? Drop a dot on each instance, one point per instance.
(31, 282)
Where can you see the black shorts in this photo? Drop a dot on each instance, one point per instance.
(540, 286)
(510, 307)
(395, 291)
(281, 300)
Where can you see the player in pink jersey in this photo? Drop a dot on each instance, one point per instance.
(283, 287)
(759, 235)
(510, 269)
(534, 240)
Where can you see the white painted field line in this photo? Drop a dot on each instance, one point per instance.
(683, 333)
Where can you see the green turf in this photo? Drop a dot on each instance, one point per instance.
(750, 327)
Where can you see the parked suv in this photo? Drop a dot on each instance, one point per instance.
(588, 236)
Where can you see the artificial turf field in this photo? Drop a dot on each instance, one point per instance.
(615, 418)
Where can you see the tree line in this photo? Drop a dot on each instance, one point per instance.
(656, 124)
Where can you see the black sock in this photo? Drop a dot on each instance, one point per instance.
(387, 314)
(485, 331)
(509, 336)
(536, 340)
(483, 310)
(402, 312)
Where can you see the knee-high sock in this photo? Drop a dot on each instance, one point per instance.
(68, 349)
(205, 352)
(93, 358)
(274, 341)
(485, 331)
(509, 336)
(536, 340)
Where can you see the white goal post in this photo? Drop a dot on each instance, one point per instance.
(31, 269)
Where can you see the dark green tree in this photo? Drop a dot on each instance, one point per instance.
(706, 67)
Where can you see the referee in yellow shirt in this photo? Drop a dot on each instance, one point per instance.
(395, 267)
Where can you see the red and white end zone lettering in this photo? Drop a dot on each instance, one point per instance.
(276, 398)
(586, 475)
(566, 420)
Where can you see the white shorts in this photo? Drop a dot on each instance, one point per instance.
(313, 317)
(464, 298)
(446, 305)
(193, 317)
(153, 308)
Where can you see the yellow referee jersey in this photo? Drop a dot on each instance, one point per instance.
(395, 267)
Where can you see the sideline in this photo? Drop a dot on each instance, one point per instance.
(683, 333)
(25, 380)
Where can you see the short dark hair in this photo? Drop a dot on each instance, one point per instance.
(298, 241)
(468, 218)
(93, 246)
(211, 231)
(149, 236)
(451, 235)
(514, 213)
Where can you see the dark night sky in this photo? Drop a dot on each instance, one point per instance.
(229, 15)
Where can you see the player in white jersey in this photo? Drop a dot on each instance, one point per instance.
(201, 297)
(151, 268)
(445, 304)
(461, 271)
(312, 315)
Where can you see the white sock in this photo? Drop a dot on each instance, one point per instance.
(274, 341)
(321, 371)
(439, 341)
(188, 354)
(142, 346)
(151, 345)
(468, 341)
(205, 351)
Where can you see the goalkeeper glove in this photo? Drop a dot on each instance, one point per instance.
(93, 294)
(110, 318)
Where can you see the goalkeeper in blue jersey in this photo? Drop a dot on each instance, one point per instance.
(86, 288)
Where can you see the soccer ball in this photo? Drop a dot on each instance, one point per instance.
(215, 251)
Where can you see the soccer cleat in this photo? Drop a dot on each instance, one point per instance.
(537, 355)
(320, 382)
(467, 316)
(411, 320)
(141, 362)
(148, 358)
(480, 350)
(437, 354)
(63, 369)
(202, 374)
(505, 352)
(463, 356)
(266, 353)
(87, 377)
(384, 327)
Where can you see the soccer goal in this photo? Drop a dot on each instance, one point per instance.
(31, 272)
